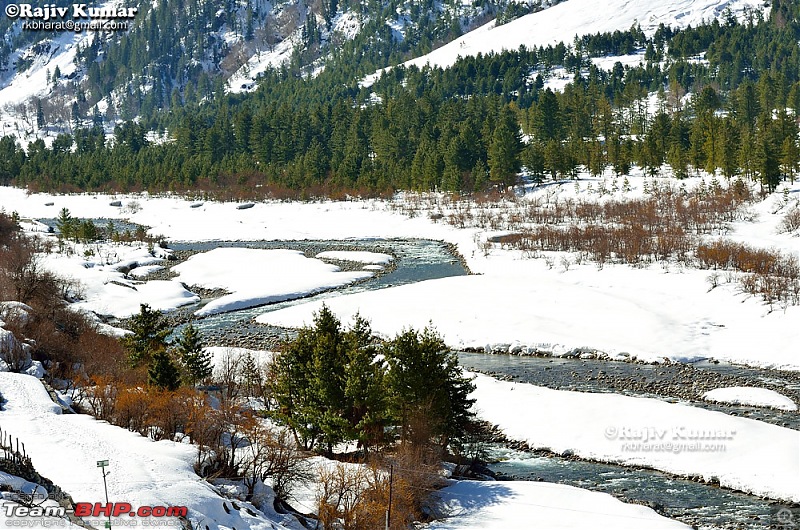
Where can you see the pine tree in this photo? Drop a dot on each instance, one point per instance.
(65, 224)
(697, 153)
(364, 388)
(309, 383)
(196, 361)
(767, 160)
(424, 379)
(790, 157)
(150, 331)
(163, 372)
(39, 114)
(504, 150)
(747, 153)
(479, 175)
(546, 118)
(328, 356)
(251, 376)
(730, 145)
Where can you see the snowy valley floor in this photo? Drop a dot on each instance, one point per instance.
(512, 303)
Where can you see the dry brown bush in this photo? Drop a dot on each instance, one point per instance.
(773, 276)
(167, 412)
(102, 399)
(663, 226)
(131, 409)
(357, 497)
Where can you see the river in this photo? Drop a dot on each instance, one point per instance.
(694, 503)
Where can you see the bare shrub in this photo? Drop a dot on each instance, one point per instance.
(273, 455)
(342, 498)
(131, 409)
(102, 398)
(791, 221)
(357, 497)
(228, 374)
(713, 280)
(168, 413)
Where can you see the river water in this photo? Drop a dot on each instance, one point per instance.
(694, 503)
(415, 260)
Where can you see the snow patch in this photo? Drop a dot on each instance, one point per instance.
(757, 397)
(256, 277)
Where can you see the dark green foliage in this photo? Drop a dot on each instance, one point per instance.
(455, 129)
(310, 383)
(66, 224)
(195, 360)
(330, 386)
(504, 150)
(163, 372)
(296, 400)
(12, 157)
(148, 337)
(426, 384)
(364, 386)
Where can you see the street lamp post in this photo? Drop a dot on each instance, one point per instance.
(102, 465)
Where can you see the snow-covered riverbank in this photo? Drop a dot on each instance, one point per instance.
(554, 305)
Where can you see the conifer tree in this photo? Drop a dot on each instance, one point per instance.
(150, 331)
(365, 390)
(251, 376)
(308, 383)
(790, 157)
(479, 175)
(163, 372)
(424, 379)
(196, 361)
(504, 150)
(65, 224)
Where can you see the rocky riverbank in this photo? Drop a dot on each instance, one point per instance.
(248, 334)
(698, 502)
(670, 382)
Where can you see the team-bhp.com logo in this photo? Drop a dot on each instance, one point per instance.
(77, 18)
(88, 509)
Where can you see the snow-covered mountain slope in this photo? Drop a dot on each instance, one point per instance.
(561, 23)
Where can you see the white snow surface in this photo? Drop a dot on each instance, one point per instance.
(743, 454)
(245, 79)
(106, 290)
(743, 395)
(562, 22)
(256, 276)
(358, 256)
(9, 499)
(347, 24)
(66, 447)
(218, 354)
(522, 306)
(512, 505)
(512, 302)
(15, 311)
